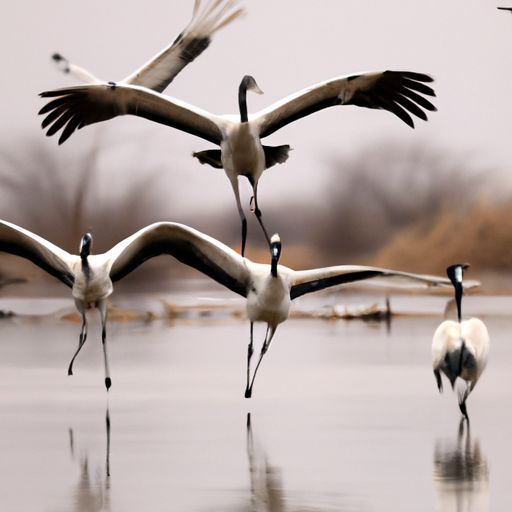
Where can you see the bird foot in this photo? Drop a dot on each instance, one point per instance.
(248, 393)
(108, 383)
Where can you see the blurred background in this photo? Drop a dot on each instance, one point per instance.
(359, 187)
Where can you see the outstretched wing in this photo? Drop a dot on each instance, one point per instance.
(75, 107)
(187, 245)
(306, 281)
(160, 71)
(21, 242)
(400, 92)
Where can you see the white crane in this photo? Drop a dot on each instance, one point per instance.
(241, 151)
(269, 289)
(460, 349)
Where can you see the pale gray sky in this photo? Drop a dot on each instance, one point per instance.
(286, 45)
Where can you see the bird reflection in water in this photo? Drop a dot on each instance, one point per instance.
(461, 474)
(92, 494)
(267, 492)
(266, 486)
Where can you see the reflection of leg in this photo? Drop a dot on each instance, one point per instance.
(257, 212)
(250, 351)
(83, 337)
(107, 462)
(266, 344)
(71, 442)
(102, 306)
(249, 440)
(460, 432)
(250, 458)
(234, 184)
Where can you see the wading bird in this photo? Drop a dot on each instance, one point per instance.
(460, 349)
(160, 71)
(241, 151)
(269, 289)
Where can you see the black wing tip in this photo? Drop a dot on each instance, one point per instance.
(48, 94)
(418, 77)
(75, 91)
(53, 94)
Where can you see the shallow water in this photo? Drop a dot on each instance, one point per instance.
(345, 416)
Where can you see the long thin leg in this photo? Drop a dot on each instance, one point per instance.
(266, 344)
(257, 212)
(102, 306)
(234, 184)
(83, 337)
(250, 351)
(439, 381)
(462, 403)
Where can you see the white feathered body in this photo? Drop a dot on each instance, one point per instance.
(447, 344)
(241, 151)
(269, 297)
(98, 287)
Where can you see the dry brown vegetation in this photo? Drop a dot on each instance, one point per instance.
(481, 235)
(387, 188)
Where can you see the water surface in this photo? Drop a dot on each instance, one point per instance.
(345, 416)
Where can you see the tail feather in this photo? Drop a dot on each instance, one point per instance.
(210, 156)
(276, 155)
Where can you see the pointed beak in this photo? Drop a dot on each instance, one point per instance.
(257, 90)
(458, 274)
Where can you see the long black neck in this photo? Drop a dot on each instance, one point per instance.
(455, 273)
(85, 267)
(273, 267)
(242, 102)
(458, 300)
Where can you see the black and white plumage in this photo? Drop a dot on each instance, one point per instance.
(460, 349)
(241, 152)
(269, 289)
(208, 17)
